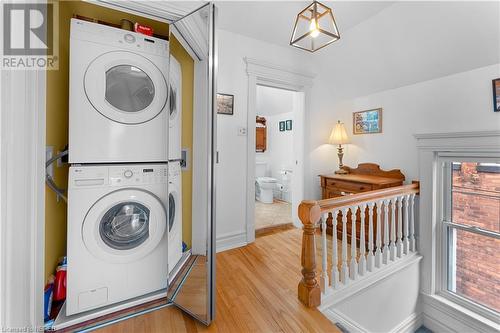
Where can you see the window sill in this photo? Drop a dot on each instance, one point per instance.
(464, 317)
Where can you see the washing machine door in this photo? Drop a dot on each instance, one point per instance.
(124, 225)
(125, 87)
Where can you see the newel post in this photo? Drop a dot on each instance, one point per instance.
(309, 291)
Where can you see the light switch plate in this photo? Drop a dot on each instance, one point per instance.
(242, 131)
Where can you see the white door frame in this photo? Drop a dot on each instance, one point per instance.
(22, 181)
(276, 76)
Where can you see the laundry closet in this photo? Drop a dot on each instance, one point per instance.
(130, 116)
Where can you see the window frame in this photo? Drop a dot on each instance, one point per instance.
(445, 225)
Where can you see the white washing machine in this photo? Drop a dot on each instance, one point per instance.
(118, 99)
(117, 234)
(175, 109)
(174, 214)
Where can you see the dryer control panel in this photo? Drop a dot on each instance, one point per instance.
(103, 34)
(123, 175)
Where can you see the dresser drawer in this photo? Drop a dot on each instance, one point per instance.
(345, 186)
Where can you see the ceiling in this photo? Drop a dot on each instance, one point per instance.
(383, 45)
(272, 21)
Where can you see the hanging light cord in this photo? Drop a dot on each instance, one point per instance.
(50, 181)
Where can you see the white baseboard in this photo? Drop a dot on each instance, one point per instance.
(231, 241)
(344, 321)
(410, 324)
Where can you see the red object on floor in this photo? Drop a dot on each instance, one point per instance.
(60, 284)
(143, 29)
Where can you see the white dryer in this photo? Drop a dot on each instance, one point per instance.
(118, 95)
(175, 109)
(117, 234)
(174, 214)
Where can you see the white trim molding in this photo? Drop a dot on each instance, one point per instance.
(268, 74)
(440, 313)
(231, 241)
(22, 176)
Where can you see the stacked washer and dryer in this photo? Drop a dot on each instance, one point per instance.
(124, 192)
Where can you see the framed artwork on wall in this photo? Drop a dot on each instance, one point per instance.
(225, 104)
(289, 125)
(496, 95)
(367, 122)
(282, 126)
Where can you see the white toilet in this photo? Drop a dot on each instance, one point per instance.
(264, 186)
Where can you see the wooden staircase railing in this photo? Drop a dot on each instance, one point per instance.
(393, 238)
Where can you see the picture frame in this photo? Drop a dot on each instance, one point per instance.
(496, 95)
(367, 121)
(225, 104)
(288, 125)
(282, 126)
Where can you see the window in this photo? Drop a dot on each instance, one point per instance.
(471, 232)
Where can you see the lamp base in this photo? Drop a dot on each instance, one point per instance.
(341, 172)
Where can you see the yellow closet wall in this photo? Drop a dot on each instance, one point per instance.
(187, 67)
(57, 119)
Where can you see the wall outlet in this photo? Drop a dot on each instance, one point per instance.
(242, 131)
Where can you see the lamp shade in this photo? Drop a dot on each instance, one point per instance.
(338, 135)
(314, 28)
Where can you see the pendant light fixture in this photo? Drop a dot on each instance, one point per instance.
(314, 28)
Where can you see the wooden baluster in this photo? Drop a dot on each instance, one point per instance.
(353, 265)
(378, 252)
(344, 274)
(324, 258)
(413, 247)
(362, 245)
(406, 242)
(335, 252)
(385, 248)
(399, 241)
(392, 243)
(309, 292)
(370, 260)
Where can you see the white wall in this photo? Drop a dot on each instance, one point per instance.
(231, 170)
(279, 154)
(459, 102)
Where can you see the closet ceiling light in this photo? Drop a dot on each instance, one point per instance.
(314, 28)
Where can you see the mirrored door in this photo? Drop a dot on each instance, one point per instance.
(192, 47)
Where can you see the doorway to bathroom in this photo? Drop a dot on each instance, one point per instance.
(275, 157)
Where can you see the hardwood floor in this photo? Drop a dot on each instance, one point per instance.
(256, 292)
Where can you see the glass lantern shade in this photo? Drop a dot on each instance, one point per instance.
(314, 28)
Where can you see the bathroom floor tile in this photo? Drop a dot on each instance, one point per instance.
(277, 213)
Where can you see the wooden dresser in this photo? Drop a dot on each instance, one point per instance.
(366, 177)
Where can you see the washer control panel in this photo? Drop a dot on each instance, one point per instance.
(124, 175)
(138, 174)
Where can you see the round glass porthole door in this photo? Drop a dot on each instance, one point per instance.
(125, 226)
(171, 211)
(126, 87)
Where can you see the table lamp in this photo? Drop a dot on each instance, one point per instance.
(339, 137)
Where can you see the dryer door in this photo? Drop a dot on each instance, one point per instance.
(125, 87)
(124, 225)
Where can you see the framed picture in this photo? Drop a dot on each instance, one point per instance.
(289, 125)
(367, 122)
(496, 95)
(282, 126)
(225, 104)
